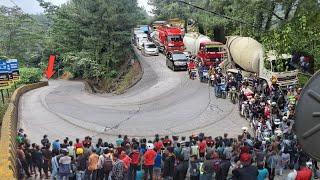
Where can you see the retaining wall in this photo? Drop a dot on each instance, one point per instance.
(8, 135)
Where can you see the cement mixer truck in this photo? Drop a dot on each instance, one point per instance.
(206, 51)
(248, 56)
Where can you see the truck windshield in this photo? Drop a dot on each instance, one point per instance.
(212, 49)
(176, 38)
(282, 65)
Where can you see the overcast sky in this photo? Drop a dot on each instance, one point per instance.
(32, 6)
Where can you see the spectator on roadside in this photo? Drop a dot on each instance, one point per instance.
(45, 140)
(81, 165)
(126, 161)
(157, 166)
(38, 157)
(247, 171)
(22, 158)
(47, 155)
(304, 173)
(194, 170)
(169, 162)
(118, 168)
(64, 169)
(135, 160)
(149, 157)
(292, 173)
(263, 172)
(92, 169)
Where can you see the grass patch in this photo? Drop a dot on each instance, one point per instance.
(129, 79)
(3, 107)
(303, 79)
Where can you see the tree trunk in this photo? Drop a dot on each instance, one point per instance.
(270, 15)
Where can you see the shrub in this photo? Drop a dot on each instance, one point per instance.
(30, 75)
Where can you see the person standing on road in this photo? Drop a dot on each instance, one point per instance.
(135, 160)
(81, 165)
(47, 155)
(149, 157)
(54, 165)
(118, 168)
(92, 165)
(168, 167)
(64, 165)
(194, 170)
(247, 171)
(38, 156)
(22, 157)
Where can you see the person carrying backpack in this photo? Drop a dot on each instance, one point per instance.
(64, 165)
(105, 164)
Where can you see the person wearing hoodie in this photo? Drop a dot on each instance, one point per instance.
(168, 167)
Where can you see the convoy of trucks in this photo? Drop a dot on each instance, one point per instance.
(238, 54)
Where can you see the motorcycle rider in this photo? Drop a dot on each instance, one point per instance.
(191, 65)
(231, 83)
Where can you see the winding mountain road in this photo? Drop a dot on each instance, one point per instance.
(162, 102)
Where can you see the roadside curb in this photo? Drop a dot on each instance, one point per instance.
(8, 143)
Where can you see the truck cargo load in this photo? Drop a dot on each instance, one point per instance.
(248, 55)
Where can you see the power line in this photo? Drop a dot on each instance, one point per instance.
(215, 13)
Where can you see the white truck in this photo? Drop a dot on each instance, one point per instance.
(248, 56)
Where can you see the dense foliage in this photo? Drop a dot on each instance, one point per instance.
(284, 25)
(93, 37)
(30, 75)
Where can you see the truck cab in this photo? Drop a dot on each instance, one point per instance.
(280, 68)
(170, 39)
(211, 53)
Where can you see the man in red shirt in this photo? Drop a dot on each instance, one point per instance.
(202, 148)
(304, 173)
(135, 160)
(149, 157)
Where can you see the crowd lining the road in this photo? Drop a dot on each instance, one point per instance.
(265, 154)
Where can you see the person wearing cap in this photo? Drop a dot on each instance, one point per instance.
(148, 161)
(247, 171)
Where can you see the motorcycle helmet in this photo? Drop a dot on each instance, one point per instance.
(273, 104)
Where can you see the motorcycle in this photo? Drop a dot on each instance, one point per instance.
(203, 75)
(193, 74)
(233, 94)
(220, 90)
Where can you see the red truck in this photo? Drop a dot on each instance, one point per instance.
(168, 39)
(207, 51)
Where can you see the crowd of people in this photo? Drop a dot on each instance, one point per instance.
(272, 150)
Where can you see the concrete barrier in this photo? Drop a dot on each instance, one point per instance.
(8, 145)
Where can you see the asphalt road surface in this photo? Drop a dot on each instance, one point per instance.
(163, 102)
